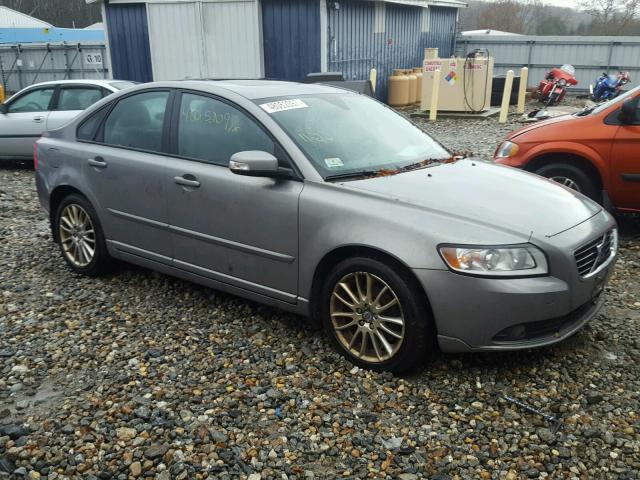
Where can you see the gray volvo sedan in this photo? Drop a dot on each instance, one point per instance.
(329, 204)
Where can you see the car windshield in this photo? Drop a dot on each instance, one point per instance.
(347, 133)
(123, 85)
(621, 98)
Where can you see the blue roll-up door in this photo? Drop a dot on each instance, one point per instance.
(291, 38)
(129, 41)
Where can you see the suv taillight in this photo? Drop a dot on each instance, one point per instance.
(35, 154)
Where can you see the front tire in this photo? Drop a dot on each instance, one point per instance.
(572, 177)
(376, 316)
(80, 236)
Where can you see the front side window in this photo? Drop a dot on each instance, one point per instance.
(343, 133)
(137, 121)
(212, 131)
(34, 101)
(78, 98)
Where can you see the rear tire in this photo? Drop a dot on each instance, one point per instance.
(80, 236)
(398, 337)
(572, 177)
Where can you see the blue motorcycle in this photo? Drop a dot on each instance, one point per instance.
(609, 86)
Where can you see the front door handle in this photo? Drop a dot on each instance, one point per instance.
(187, 181)
(97, 162)
(38, 119)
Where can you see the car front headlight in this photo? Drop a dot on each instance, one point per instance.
(507, 149)
(495, 261)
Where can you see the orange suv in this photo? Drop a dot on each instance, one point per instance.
(595, 151)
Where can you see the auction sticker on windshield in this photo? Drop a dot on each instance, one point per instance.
(333, 162)
(282, 105)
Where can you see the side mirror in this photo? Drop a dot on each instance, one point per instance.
(255, 163)
(628, 110)
(3, 108)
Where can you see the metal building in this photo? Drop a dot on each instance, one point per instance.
(282, 39)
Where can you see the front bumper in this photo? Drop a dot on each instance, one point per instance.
(488, 314)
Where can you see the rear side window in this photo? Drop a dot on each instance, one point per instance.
(88, 128)
(137, 121)
(34, 101)
(78, 98)
(212, 131)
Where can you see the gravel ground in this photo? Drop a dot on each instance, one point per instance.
(137, 374)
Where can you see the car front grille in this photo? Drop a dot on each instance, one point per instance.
(595, 253)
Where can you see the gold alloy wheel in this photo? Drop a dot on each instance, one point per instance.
(367, 317)
(77, 235)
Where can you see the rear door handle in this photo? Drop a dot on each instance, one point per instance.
(187, 181)
(97, 162)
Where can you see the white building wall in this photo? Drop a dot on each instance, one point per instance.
(205, 39)
(175, 38)
(232, 36)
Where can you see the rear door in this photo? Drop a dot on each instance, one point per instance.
(124, 167)
(25, 121)
(625, 166)
(71, 100)
(238, 230)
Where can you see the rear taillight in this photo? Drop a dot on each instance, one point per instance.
(35, 154)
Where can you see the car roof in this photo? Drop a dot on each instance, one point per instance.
(88, 81)
(253, 89)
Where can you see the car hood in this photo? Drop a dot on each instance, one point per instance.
(493, 195)
(540, 124)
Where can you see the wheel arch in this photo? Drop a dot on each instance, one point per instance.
(575, 159)
(338, 254)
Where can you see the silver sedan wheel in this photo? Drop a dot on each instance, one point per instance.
(367, 317)
(566, 181)
(77, 235)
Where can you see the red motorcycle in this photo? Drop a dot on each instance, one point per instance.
(554, 86)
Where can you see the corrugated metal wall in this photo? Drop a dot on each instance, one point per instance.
(129, 41)
(233, 45)
(291, 36)
(589, 55)
(43, 63)
(176, 41)
(354, 47)
(213, 39)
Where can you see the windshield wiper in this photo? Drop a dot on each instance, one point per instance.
(343, 176)
(421, 164)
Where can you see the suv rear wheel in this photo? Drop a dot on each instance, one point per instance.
(375, 316)
(572, 177)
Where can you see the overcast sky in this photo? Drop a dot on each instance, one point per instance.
(563, 3)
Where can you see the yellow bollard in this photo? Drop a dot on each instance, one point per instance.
(522, 91)
(506, 96)
(373, 78)
(433, 110)
(2, 95)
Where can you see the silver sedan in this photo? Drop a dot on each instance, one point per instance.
(326, 203)
(46, 106)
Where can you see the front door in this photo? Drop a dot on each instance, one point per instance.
(124, 167)
(242, 231)
(625, 166)
(24, 122)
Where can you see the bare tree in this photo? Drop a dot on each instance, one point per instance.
(612, 17)
(60, 13)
